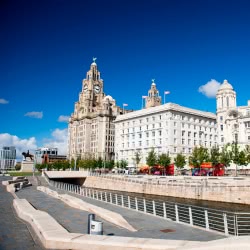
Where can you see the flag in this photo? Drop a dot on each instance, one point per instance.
(144, 96)
(125, 104)
(166, 92)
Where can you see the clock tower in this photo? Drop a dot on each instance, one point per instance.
(153, 99)
(91, 127)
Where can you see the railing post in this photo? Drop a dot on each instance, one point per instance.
(129, 205)
(122, 201)
(176, 213)
(164, 210)
(154, 212)
(190, 216)
(110, 197)
(116, 199)
(136, 204)
(225, 223)
(144, 206)
(106, 198)
(206, 219)
(236, 225)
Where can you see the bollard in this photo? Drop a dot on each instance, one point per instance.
(90, 218)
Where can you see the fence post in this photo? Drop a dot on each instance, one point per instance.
(136, 204)
(190, 216)
(206, 219)
(236, 225)
(164, 210)
(122, 201)
(116, 199)
(129, 205)
(176, 213)
(225, 223)
(144, 205)
(154, 212)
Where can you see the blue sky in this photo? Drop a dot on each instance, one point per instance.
(47, 47)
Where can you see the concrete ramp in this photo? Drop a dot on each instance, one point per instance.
(107, 215)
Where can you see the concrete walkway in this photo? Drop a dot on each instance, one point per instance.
(14, 233)
(75, 220)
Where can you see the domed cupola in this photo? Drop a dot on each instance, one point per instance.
(225, 97)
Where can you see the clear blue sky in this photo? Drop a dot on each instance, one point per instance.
(47, 47)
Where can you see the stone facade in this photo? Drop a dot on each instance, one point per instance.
(233, 122)
(91, 125)
(168, 128)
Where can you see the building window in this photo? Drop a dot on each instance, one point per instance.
(221, 127)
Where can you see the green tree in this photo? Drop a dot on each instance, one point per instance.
(214, 155)
(198, 156)
(164, 160)
(151, 159)
(247, 153)
(137, 158)
(123, 164)
(238, 156)
(180, 160)
(225, 155)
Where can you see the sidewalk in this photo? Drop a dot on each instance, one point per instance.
(75, 220)
(14, 233)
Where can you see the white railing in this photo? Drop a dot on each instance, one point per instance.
(229, 223)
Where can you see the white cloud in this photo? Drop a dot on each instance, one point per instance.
(63, 118)
(3, 101)
(22, 145)
(58, 140)
(34, 114)
(210, 88)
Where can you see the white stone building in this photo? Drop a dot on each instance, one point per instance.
(7, 158)
(168, 128)
(91, 126)
(233, 122)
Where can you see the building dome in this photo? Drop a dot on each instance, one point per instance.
(226, 85)
(108, 98)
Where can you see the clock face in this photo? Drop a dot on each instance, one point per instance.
(97, 89)
(85, 88)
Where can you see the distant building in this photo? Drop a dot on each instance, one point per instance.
(233, 122)
(47, 155)
(7, 158)
(91, 125)
(168, 128)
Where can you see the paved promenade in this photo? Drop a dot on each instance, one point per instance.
(14, 233)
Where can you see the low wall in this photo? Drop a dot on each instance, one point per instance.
(54, 236)
(231, 193)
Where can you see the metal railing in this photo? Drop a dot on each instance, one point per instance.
(228, 223)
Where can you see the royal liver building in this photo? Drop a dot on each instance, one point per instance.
(91, 126)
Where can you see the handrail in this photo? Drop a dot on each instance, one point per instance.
(228, 223)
